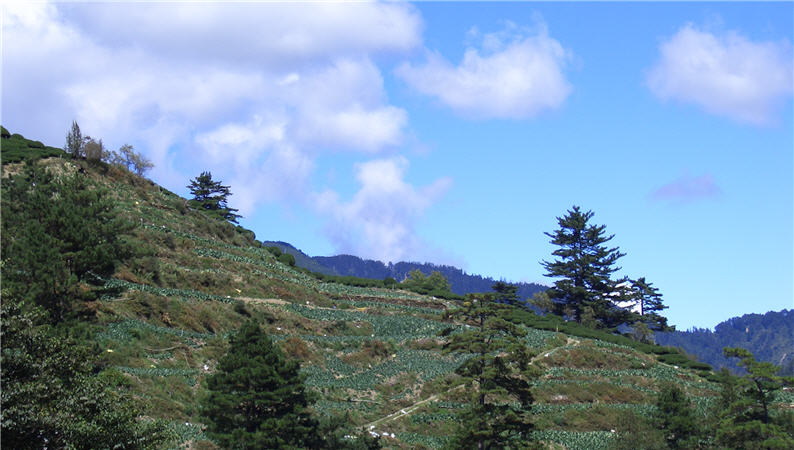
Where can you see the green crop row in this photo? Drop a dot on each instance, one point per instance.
(398, 327)
(115, 283)
(423, 439)
(572, 440)
(427, 365)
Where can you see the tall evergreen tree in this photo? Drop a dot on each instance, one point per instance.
(583, 267)
(257, 398)
(211, 195)
(500, 372)
(506, 293)
(74, 141)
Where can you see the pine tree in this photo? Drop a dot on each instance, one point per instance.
(257, 398)
(56, 233)
(74, 142)
(506, 293)
(500, 373)
(584, 267)
(674, 415)
(52, 397)
(747, 419)
(211, 195)
(650, 302)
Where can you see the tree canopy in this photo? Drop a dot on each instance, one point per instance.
(500, 373)
(56, 233)
(212, 196)
(257, 398)
(583, 269)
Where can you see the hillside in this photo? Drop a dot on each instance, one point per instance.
(348, 265)
(373, 355)
(770, 337)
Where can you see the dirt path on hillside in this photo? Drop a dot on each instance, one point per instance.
(409, 409)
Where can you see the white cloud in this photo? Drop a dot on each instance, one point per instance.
(378, 222)
(514, 74)
(257, 34)
(200, 85)
(725, 74)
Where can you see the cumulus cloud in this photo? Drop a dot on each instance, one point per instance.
(726, 74)
(253, 90)
(688, 189)
(378, 221)
(515, 73)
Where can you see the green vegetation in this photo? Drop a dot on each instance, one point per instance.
(257, 398)
(584, 267)
(500, 372)
(211, 196)
(15, 148)
(52, 396)
(156, 320)
(57, 233)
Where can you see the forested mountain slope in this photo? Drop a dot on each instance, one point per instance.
(770, 337)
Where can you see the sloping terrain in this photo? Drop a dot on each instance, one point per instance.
(373, 354)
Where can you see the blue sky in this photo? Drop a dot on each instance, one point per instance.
(450, 132)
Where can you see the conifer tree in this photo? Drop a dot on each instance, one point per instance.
(56, 232)
(506, 292)
(52, 397)
(74, 141)
(211, 195)
(650, 302)
(675, 417)
(747, 419)
(583, 267)
(500, 372)
(257, 398)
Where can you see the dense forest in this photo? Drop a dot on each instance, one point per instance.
(770, 337)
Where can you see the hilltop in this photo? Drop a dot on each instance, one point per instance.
(161, 321)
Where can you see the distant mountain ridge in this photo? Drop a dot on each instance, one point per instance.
(349, 265)
(770, 337)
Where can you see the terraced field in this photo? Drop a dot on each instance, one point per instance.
(374, 355)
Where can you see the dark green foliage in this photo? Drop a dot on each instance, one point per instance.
(16, 148)
(435, 284)
(50, 397)
(650, 302)
(506, 293)
(583, 269)
(257, 398)
(500, 371)
(210, 195)
(674, 416)
(745, 414)
(56, 233)
(287, 259)
(74, 142)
